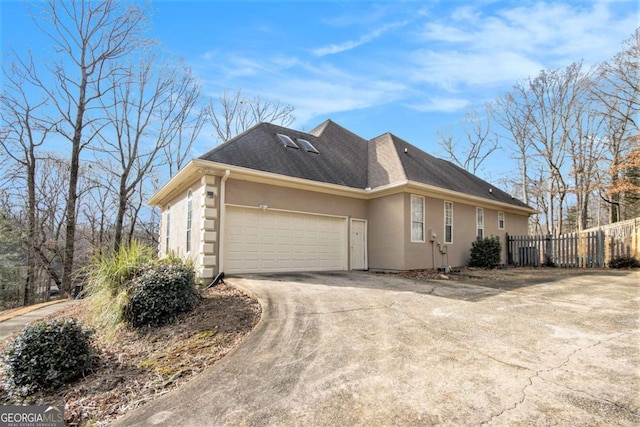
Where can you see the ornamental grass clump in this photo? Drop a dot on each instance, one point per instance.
(109, 280)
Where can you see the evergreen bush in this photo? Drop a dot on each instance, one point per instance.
(163, 290)
(624, 262)
(47, 355)
(486, 253)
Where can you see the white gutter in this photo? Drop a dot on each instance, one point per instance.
(223, 187)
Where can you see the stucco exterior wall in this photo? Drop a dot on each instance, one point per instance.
(386, 231)
(457, 253)
(178, 223)
(203, 226)
(388, 218)
(252, 194)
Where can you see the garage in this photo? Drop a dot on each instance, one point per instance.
(261, 240)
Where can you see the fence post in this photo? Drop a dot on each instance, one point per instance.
(600, 248)
(509, 257)
(547, 256)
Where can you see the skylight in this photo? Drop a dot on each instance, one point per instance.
(288, 142)
(307, 146)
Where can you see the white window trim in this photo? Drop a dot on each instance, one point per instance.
(450, 241)
(413, 198)
(189, 236)
(501, 221)
(167, 225)
(479, 222)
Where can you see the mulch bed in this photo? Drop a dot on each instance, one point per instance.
(141, 365)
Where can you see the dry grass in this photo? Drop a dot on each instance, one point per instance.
(139, 366)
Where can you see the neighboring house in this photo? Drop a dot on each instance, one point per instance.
(274, 199)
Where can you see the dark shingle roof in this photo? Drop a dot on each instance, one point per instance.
(422, 167)
(344, 160)
(342, 157)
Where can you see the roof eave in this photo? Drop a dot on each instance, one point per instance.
(451, 194)
(199, 167)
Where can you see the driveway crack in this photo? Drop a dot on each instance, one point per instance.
(539, 372)
(599, 398)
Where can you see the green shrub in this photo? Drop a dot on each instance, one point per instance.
(486, 253)
(548, 262)
(624, 262)
(164, 290)
(109, 279)
(47, 355)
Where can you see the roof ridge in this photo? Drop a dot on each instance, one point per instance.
(320, 129)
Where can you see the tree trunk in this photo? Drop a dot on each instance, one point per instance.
(72, 194)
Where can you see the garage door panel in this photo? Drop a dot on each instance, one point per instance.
(263, 241)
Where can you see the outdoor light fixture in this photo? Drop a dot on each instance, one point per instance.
(263, 207)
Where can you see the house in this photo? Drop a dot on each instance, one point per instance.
(274, 199)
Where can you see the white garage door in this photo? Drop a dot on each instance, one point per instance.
(272, 241)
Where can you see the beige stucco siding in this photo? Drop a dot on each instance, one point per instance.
(178, 223)
(245, 193)
(386, 231)
(388, 218)
(429, 255)
(203, 226)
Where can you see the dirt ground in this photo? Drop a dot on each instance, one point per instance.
(503, 277)
(140, 366)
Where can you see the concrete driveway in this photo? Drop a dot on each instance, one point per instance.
(369, 349)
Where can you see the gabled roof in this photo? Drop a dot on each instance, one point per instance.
(346, 159)
(421, 167)
(341, 158)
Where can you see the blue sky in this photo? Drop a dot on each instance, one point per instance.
(407, 67)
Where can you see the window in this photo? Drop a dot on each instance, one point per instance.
(307, 146)
(288, 142)
(189, 218)
(501, 220)
(448, 222)
(417, 218)
(480, 223)
(167, 228)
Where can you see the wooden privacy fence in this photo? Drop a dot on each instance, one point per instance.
(592, 248)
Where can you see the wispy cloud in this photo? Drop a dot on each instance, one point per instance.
(441, 104)
(447, 58)
(352, 44)
(478, 47)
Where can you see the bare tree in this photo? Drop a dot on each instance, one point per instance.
(542, 117)
(89, 37)
(178, 152)
(148, 109)
(232, 113)
(509, 113)
(477, 147)
(25, 132)
(618, 90)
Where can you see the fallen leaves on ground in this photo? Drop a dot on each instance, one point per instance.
(139, 366)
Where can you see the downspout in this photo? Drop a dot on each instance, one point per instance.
(227, 172)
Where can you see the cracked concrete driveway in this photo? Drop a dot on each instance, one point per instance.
(368, 349)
